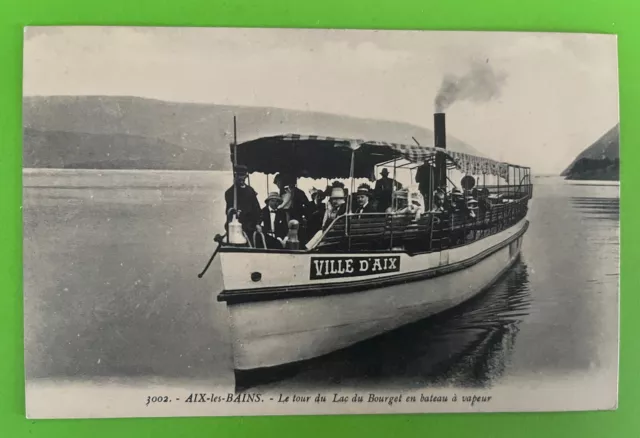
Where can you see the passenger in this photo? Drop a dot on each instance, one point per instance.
(336, 208)
(407, 203)
(248, 207)
(438, 202)
(274, 221)
(363, 195)
(457, 200)
(472, 208)
(424, 177)
(383, 191)
(294, 201)
(317, 215)
(417, 203)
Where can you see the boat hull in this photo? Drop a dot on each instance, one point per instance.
(281, 327)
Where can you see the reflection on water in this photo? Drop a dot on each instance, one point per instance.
(468, 345)
(597, 208)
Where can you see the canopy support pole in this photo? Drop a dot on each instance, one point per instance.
(235, 166)
(394, 186)
(431, 187)
(394, 201)
(350, 197)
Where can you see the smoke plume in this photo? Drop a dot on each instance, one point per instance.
(480, 84)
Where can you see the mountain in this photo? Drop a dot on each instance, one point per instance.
(131, 132)
(600, 161)
(68, 150)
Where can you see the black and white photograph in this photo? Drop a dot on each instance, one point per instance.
(249, 221)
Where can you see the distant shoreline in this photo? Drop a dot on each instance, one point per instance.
(43, 170)
(592, 182)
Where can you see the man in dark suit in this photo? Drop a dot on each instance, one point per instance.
(383, 190)
(363, 198)
(425, 176)
(248, 207)
(274, 221)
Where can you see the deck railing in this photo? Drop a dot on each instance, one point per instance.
(431, 231)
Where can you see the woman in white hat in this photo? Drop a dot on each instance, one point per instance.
(407, 202)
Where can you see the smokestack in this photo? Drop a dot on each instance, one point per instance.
(440, 141)
(439, 131)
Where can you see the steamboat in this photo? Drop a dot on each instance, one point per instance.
(364, 272)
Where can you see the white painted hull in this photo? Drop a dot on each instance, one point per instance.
(272, 332)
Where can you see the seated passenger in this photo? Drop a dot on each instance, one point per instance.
(337, 206)
(317, 215)
(405, 202)
(273, 221)
(472, 208)
(363, 198)
(457, 200)
(417, 202)
(438, 202)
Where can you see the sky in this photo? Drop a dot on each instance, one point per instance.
(559, 93)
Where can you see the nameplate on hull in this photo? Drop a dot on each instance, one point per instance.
(341, 267)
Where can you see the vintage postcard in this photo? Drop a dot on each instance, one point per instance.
(226, 221)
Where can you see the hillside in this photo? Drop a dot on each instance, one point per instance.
(600, 161)
(67, 150)
(131, 132)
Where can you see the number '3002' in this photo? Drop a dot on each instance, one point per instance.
(157, 399)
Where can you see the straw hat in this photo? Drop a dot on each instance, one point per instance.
(337, 193)
(273, 195)
(364, 190)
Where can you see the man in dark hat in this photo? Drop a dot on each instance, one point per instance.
(363, 196)
(248, 207)
(318, 212)
(384, 189)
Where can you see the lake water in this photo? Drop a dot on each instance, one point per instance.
(111, 291)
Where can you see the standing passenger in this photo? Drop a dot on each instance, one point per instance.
(248, 207)
(384, 189)
(424, 178)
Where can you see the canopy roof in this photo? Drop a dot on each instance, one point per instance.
(313, 156)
